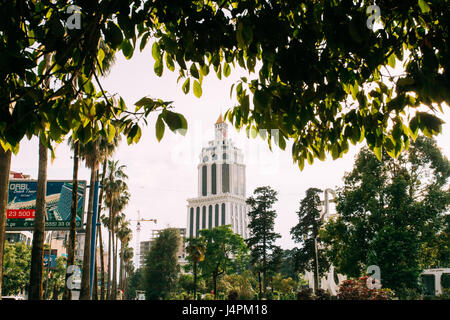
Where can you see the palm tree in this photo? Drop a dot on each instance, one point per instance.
(124, 234)
(99, 232)
(93, 153)
(120, 204)
(127, 258)
(196, 250)
(114, 187)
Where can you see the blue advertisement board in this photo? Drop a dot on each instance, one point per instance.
(22, 204)
(53, 256)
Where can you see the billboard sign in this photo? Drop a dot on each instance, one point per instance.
(22, 204)
(53, 255)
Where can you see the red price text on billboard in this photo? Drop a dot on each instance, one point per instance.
(20, 213)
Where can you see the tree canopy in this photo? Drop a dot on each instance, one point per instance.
(392, 214)
(316, 72)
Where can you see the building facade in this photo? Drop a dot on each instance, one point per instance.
(145, 247)
(221, 187)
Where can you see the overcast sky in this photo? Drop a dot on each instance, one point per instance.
(163, 175)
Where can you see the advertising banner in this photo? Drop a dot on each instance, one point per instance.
(53, 256)
(22, 204)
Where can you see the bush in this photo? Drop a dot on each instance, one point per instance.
(356, 289)
(305, 294)
(409, 294)
(445, 294)
(322, 295)
(233, 295)
(445, 281)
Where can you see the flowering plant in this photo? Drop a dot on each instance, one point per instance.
(356, 289)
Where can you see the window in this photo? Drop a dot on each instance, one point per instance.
(204, 217)
(204, 180)
(210, 217)
(197, 221)
(191, 223)
(225, 177)
(223, 213)
(213, 179)
(217, 215)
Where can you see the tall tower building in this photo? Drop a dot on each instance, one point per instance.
(221, 187)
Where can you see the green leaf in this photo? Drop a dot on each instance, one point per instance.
(127, 49)
(156, 51)
(391, 61)
(424, 6)
(100, 57)
(144, 41)
(158, 67)
(197, 89)
(194, 71)
(132, 134)
(186, 86)
(160, 127)
(377, 152)
(138, 134)
(144, 101)
(169, 62)
(111, 132)
(226, 69)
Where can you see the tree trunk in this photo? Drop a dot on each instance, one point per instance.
(114, 288)
(121, 266)
(37, 251)
(5, 164)
(73, 217)
(260, 285)
(95, 286)
(102, 264)
(110, 240)
(85, 281)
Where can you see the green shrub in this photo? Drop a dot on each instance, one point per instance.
(305, 294)
(322, 295)
(445, 281)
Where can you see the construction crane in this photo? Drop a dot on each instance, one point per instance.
(138, 232)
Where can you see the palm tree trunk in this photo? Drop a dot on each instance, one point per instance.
(110, 244)
(5, 164)
(102, 264)
(85, 281)
(37, 250)
(94, 289)
(121, 266)
(114, 289)
(73, 217)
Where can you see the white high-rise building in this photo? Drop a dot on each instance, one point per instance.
(221, 187)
